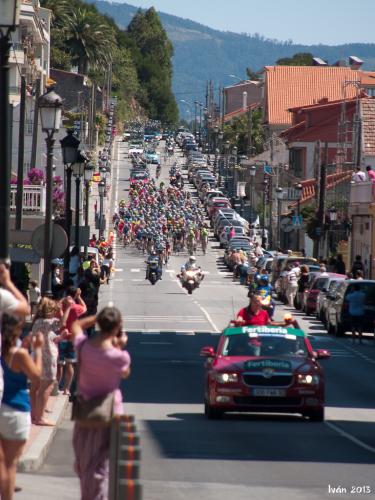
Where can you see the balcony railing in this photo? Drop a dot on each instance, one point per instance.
(34, 199)
(362, 192)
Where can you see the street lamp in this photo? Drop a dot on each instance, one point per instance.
(50, 107)
(226, 152)
(69, 147)
(89, 170)
(333, 214)
(101, 189)
(298, 188)
(78, 170)
(9, 20)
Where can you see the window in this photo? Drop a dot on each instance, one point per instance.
(370, 91)
(297, 162)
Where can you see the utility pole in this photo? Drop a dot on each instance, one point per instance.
(321, 202)
(21, 155)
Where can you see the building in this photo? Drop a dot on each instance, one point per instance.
(287, 87)
(29, 60)
(233, 95)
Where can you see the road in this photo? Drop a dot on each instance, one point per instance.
(243, 456)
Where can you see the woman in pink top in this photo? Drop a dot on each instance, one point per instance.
(103, 364)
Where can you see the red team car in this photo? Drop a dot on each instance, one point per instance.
(264, 369)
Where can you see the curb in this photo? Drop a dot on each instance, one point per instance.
(40, 444)
(171, 332)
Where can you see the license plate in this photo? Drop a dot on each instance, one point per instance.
(269, 392)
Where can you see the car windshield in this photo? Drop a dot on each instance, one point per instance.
(320, 283)
(264, 345)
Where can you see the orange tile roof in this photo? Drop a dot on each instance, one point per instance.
(240, 112)
(368, 126)
(293, 86)
(368, 78)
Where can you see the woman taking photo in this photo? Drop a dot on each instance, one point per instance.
(15, 420)
(102, 364)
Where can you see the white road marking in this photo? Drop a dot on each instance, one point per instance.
(135, 270)
(169, 271)
(136, 280)
(209, 319)
(185, 333)
(118, 270)
(351, 438)
(118, 279)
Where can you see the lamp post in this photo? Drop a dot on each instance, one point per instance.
(101, 189)
(89, 170)
(332, 219)
(9, 20)
(50, 107)
(69, 147)
(226, 152)
(234, 163)
(200, 122)
(299, 188)
(220, 148)
(78, 169)
(280, 197)
(253, 171)
(196, 103)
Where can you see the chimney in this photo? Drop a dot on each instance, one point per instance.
(355, 62)
(340, 63)
(317, 61)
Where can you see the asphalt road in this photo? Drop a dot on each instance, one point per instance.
(247, 456)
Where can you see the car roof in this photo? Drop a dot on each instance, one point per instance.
(269, 329)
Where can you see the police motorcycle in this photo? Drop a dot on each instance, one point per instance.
(154, 271)
(191, 275)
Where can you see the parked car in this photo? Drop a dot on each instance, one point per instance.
(216, 204)
(323, 299)
(338, 308)
(319, 286)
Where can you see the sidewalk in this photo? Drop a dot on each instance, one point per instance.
(41, 437)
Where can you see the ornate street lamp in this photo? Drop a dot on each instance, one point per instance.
(69, 147)
(88, 172)
(280, 197)
(50, 107)
(332, 215)
(9, 20)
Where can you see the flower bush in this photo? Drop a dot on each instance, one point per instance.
(35, 176)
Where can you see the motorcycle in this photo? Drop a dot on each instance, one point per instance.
(191, 279)
(153, 272)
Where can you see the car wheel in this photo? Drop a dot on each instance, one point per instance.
(212, 413)
(316, 415)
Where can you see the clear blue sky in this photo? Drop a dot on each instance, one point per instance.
(303, 21)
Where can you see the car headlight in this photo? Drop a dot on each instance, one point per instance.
(308, 379)
(223, 378)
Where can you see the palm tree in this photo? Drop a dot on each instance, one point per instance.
(91, 42)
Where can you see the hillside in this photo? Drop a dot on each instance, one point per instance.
(202, 53)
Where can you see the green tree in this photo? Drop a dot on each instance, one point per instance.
(152, 52)
(237, 131)
(299, 59)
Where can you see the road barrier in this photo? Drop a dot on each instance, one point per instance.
(124, 460)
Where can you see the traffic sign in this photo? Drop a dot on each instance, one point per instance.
(59, 240)
(267, 169)
(297, 220)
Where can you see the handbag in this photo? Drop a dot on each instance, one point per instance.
(91, 413)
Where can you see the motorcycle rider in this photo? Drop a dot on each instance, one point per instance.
(153, 257)
(191, 265)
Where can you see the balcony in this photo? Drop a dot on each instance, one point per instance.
(34, 200)
(362, 195)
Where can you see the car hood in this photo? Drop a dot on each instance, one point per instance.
(245, 363)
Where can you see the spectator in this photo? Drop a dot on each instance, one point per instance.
(48, 323)
(303, 283)
(358, 175)
(15, 421)
(370, 174)
(358, 275)
(292, 287)
(258, 250)
(11, 301)
(73, 308)
(340, 265)
(74, 263)
(357, 265)
(107, 265)
(323, 270)
(34, 297)
(356, 301)
(102, 365)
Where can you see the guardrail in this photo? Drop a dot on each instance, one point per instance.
(34, 199)
(124, 460)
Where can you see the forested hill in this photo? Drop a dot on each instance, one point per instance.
(201, 52)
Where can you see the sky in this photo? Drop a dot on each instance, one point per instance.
(329, 22)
